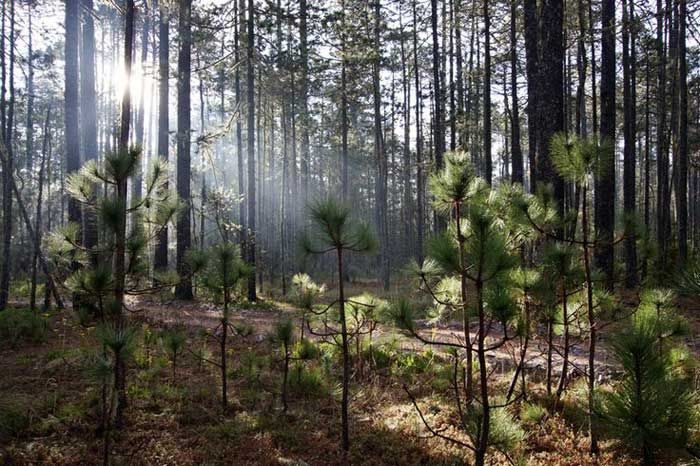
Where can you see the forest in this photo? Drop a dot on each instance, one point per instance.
(328, 232)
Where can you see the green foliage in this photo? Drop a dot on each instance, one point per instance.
(224, 269)
(22, 325)
(454, 183)
(505, 434)
(403, 314)
(575, 159)
(306, 381)
(15, 416)
(251, 367)
(306, 291)
(173, 341)
(651, 407)
(500, 303)
(531, 413)
(119, 339)
(306, 350)
(284, 332)
(333, 228)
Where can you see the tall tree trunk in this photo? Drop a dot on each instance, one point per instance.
(304, 84)
(30, 94)
(239, 12)
(37, 220)
(605, 189)
(488, 163)
(630, 140)
(8, 167)
(343, 108)
(379, 154)
(438, 132)
(120, 234)
(407, 202)
(250, 46)
(88, 113)
(532, 71)
(581, 68)
(184, 227)
(682, 176)
(517, 171)
(420, 182)
(161, 253)
(139, 129)
(661, 162)
(550, 98)
(460, 72)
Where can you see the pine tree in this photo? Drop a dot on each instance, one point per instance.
(651, 407)
(334, 230)
(224, 270)
(105, 284)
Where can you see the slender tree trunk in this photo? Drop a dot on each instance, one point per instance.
(7, 174)
(591, 325)
(161, 253)
(250, 45)
(88, 114)
(630, 141)
(37, 220)
(346, 356)
(120, 234)
(605, 188)
(380, 155)
(488, 163)
(304, 84)
(343, 108)
(71, 103)
(565, 353)
(224, 339)
(485, 421)
(407, 201)
(682, 177)
(420, 182)
(532, 71)
(137, 183)
(30, 95)
(184, 230)
(240, 20)
(661, 162)
(438, 132)
(517, 171)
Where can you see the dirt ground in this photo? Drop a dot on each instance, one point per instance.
(174, 415)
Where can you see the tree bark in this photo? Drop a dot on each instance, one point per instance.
(488, 163)
(250, 46)
(516, 156)
(160, 261)
(184, 232)
(438, 131)
(630, 141)
(88, 113)
(682, 178)
(605, 189)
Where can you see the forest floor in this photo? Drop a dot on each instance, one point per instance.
(174, 415)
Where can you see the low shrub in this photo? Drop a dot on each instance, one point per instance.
(531, 413)
(15, 416)
(22, 325)
(308, 381)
